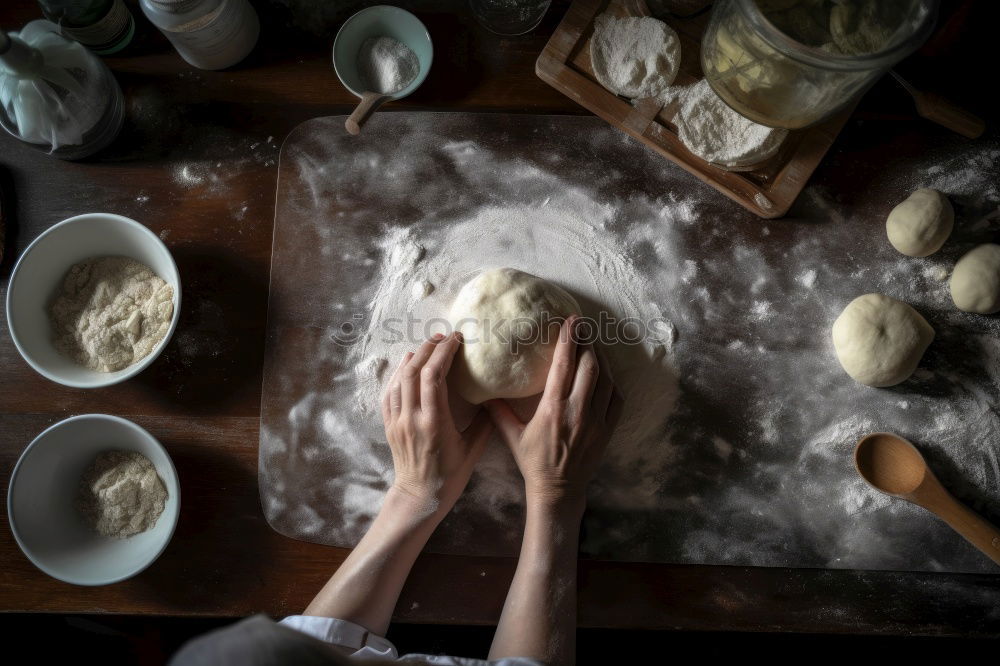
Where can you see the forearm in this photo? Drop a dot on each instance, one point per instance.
(539, 615)
(365, 588)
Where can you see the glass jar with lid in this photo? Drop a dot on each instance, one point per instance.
(794, 63)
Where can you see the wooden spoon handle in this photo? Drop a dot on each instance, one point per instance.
(939, 110)
(369, 103)
(977, 530)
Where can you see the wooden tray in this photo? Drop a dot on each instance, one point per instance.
(767, 190)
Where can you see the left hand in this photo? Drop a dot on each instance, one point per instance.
(432, 459)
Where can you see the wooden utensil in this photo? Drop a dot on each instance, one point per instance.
(939, 110)
(895, 467)
(370, 101)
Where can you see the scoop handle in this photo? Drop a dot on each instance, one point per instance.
(942, 111)
(370, 101)
(977, 530)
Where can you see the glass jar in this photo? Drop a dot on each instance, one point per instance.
(208, 34)
(780, 80)
(509, 17)
(103, 26)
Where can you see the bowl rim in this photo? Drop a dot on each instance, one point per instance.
(390, 9)
(135, 368)
(13, 479)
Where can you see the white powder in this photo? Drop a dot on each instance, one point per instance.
(121, 494)
(634, 57)
(715, 133)
(111, 312)
(386, 65)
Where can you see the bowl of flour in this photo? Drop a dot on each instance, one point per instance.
(93, 300)
(93, 500)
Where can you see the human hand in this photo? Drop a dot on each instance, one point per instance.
(559, 449)
(431, 458)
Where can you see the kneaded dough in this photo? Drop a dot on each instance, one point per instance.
(879, 341)
(636, 57)
(921, 224)
(501, 313)
(975, 282)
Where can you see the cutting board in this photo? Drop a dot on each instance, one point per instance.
(754, 465)
(767, 190)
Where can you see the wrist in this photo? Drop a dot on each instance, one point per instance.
(562, 506)
(404, 501)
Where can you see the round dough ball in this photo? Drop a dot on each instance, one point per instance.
(636, 57)
(920, 225)
(879, 340)
(975, 282)
(501, 314)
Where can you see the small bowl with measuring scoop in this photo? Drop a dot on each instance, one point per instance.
(381, 54)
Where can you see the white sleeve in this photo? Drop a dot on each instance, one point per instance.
(352, 639)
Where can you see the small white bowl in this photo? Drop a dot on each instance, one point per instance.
(39, 272)
(43, 489)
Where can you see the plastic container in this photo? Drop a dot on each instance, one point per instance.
(56, 95)
(208, 34)
(774, 79)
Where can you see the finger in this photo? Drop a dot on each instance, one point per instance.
(506, 421)
(433, 376)
(393, 393)
(560, 379)
(410, 378)
(585, 379)
(478, 434)
(605, 384)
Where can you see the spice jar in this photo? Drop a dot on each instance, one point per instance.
(794, 63)
(209, 34)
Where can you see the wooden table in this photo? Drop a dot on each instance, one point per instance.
(201, 397)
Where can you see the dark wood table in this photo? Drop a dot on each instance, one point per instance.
(201, 397)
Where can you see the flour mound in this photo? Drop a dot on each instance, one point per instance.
(634, 57)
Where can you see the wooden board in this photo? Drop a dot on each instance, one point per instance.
(767, 190)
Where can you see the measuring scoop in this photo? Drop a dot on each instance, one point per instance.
(895, 467)
(378, 21)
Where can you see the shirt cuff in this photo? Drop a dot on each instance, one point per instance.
(353, 639)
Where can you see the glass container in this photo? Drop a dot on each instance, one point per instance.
(509, 17)
(824, 55)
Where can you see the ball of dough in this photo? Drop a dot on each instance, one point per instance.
(502, 313)
(920, 225)
(975, 283)
(879, 340)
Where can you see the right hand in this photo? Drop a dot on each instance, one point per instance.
(559, 449)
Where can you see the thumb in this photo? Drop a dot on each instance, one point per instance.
(506, 421)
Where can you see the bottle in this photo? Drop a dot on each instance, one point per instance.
(55, 94)
(103, 26)
(209, 34)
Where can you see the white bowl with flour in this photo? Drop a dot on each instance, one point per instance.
(39, 273)
(41, 502)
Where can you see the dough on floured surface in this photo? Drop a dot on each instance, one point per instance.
(975, 282)
(920, 225)
(501, 314)
(879, 341)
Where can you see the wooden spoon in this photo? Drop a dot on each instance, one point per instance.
(370, 101)
(895, 467)
(939, 110)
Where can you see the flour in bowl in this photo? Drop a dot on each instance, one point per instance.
(110, 312)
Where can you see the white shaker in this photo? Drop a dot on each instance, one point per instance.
(209, 34)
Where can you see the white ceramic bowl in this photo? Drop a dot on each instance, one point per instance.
(42, 494)
(39, 273)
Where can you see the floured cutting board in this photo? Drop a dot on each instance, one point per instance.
(738, 447)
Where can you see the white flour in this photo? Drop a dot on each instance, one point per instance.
(714, 132)
(386, 65)
(634, 57)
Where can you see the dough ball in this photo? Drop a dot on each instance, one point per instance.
(635, 57)
(879, 340)
(975, 282)
(920, 225)
(502, 313)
